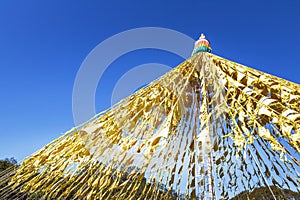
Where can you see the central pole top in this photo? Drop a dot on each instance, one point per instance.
(202, 36)
(202, 45)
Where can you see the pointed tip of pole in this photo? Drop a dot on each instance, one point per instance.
(202, 36)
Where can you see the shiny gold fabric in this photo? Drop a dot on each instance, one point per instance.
(208, 129)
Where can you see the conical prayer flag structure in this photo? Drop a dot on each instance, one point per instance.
(208, 129)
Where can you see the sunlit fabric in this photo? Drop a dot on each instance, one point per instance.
(208, 129)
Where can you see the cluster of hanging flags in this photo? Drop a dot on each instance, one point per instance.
(208, 129)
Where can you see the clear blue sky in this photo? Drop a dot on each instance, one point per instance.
(43, 43)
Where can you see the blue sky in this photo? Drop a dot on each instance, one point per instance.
(43, 43)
